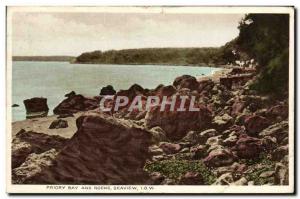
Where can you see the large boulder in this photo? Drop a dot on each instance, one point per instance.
(219, 157)
(280, 152)
(177, 124)
(36, 107)
(19, 152)
(222, 122)
(199, 137)
(104, 150)
(248, 147)
(156, 178)
(279, 130)
(57, 124)
(235, 81)
(165, 91)
(278, 112)
(186, 81)
(27, 142)
(255, 124)
(205, 85)
(198, 152)
(158, 135)
(170, 148)
(70, 94)
(76, 103)
(132, 92)
(236, 169)
(107, 90)
(41, 142)
(33, 165)
(237, 107)
(191, 178)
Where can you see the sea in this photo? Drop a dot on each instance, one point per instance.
(53, 80)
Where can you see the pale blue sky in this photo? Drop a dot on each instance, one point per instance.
(74, 33)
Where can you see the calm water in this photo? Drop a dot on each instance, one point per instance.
(54, 79)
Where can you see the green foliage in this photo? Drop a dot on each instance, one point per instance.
(173, 169)
(265, 164)
(265, 37)
(166, 56)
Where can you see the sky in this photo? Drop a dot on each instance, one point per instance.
(40, 33)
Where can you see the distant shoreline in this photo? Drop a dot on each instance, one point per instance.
(43, 58)
(133, 64)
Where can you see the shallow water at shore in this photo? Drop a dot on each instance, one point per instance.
(54, 79)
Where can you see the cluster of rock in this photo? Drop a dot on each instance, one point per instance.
(241, 138)
(104, 150)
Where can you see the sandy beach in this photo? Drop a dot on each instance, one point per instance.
(41, 125)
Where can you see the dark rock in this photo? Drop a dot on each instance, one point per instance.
(70, 94)
(235, 71)
(230, 141)
(33, 165)
(235, 81)
(65, 115)
(165, 91)
(20, 150)
(15, 105)
(236, 169)
(269, 143)
(278, 111)
(158, 87)
(27, 142)
(216, 140)
(75, 104)
(219, 157)
(279, 130)
(155, 150)
(170, 148)
(281, 175)
(255, 124)
(104, 150)
(177, 124)
(237, 107)
(191, 137)
(248, 147)
(108, 90)
(267, 174)
(205, 85)
(36, 104)
(186, 81)
(57, 124)
(132, 92)
(36, 107)
(280, 152)
(204, 135)
(191, 178)
(42, 142)
(156, 178)
(158, 134)
(198, 152)
(222, 122)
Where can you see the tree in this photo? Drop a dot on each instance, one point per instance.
(265, 37)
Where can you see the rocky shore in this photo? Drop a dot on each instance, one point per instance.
(237, 138)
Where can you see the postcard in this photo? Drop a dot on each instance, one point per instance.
(150, 100)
